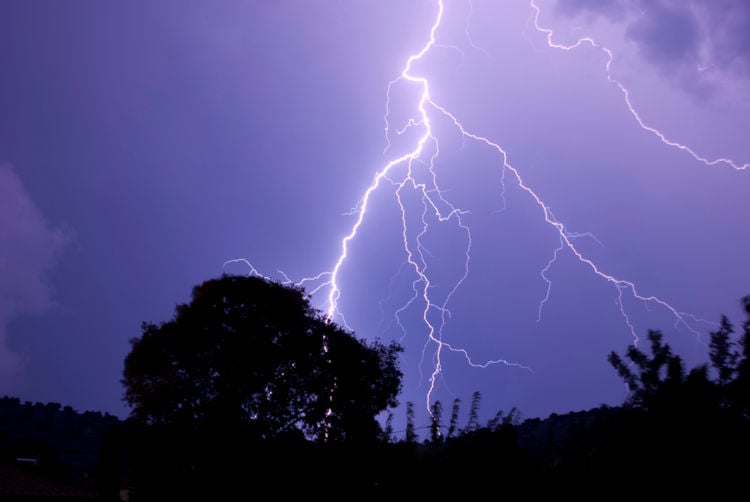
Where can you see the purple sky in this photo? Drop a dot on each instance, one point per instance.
(143, 145)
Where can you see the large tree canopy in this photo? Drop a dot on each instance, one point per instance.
(660, 382)
(680, 424)
(253, 353)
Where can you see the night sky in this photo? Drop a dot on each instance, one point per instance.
(510, 210)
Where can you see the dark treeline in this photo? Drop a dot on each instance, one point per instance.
(62, 444)
(566, 452)
(249, 393)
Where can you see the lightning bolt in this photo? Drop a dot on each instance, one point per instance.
(414, 173)
(626, 94)
(433, 200)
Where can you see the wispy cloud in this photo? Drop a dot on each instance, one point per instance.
(29, 247)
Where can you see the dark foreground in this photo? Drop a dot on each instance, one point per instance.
(602, 452)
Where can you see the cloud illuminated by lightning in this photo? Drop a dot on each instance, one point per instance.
(626, 94)
(400, 174)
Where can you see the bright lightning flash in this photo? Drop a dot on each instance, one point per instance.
(436, 205)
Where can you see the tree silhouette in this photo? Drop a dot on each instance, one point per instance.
(660, 384)
(436, 416)
(501, 419)
(723, 356)
(659, 378)
(453, 427)
(473, 423)
(249, 353)
(411, 434)
(730, 358)
(694, 421)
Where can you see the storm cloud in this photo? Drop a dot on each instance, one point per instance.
(694, 43)
(611, 9)
(29, 247)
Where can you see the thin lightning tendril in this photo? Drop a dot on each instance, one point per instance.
(626, 94)
(425, 152)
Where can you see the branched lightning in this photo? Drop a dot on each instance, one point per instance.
(626, 94)
(547, 280)
(432, 199)
(400, 174)
(567, 238)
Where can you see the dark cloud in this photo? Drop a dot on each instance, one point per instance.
(727, 27)
(666, 34)
(691, 42)
(28, 249)
(671, 38)
(611, 9)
